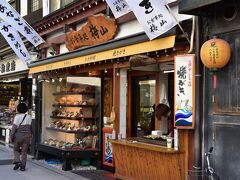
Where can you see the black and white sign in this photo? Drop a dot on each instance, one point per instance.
(153, 15)
(15, 41)
(118, 7)
(12, 17)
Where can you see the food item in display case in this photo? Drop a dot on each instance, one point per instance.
(55, 112)
(70, 100)
(60, 144)
(62, 100)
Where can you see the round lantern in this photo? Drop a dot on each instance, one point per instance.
(215, 53)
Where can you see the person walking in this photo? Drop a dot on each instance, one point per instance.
(21, 135)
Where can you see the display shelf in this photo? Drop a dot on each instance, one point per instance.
(73, 93)
(72, 105)
(68, 154)
(70, 149)
(74, 119)
(80, 104)
(71, 131)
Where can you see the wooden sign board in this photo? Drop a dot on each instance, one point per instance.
(98, 29)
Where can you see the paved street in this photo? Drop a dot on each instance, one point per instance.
(35, 170)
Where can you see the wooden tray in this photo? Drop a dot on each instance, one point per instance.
(152, 141)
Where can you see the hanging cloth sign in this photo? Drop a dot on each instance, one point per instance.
(10, 15)
(118, 7)
(153, 15)
(15, 41)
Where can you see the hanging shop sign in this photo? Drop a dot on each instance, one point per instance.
(153, 15)
(98, 29)
(15, 42)
(184, 91)
(11, 65)
(12, 17)
(215, 53)
(118, 7)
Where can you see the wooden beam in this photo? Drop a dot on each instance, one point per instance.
(116, 99)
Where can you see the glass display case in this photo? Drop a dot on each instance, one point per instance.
(71, 124)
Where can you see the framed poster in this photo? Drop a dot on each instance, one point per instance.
(184, 84)
(107, 147)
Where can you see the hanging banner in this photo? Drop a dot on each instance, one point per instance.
(11, 16)
(118, 7)
(184, 91)
(153, 15)
(15, 41)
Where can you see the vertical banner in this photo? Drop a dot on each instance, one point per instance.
(15, 42)
(153, 15)
(107, 157)
(11, 16)
(184, 85)
(118, 7)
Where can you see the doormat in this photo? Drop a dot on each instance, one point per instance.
(6, 162)
(95, 174)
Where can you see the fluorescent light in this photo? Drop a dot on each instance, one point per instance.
(169, 71)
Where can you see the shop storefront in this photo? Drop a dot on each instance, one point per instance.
(113, 101)
(15, 86)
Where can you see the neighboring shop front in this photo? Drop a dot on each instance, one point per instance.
(220, 125)
(15, 86)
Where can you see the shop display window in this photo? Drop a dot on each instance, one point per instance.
(71, 113)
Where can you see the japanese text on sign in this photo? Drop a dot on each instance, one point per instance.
(118, 7)
(11, 16)
(156, 19)
(184, 91)
(98, 29)
(7, 67)
(15, 41)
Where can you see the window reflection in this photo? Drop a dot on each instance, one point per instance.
(145, 107)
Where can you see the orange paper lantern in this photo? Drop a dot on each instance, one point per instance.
(215, 53)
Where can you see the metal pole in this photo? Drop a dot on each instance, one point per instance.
(198, 99)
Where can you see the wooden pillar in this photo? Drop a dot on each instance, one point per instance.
(116, 98)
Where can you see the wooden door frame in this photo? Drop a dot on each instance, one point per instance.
(130, 75)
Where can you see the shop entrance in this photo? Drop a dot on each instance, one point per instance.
(143, 102)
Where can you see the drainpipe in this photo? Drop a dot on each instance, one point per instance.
(198, 98)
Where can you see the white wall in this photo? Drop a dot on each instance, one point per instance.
(45, 4)
(123, 102)
(23, 7)
(129, 28)
(63, 48)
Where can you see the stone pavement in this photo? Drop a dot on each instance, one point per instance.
(35, 170)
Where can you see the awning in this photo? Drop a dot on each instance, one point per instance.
(143, 47)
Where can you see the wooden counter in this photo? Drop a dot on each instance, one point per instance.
(141, 161)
